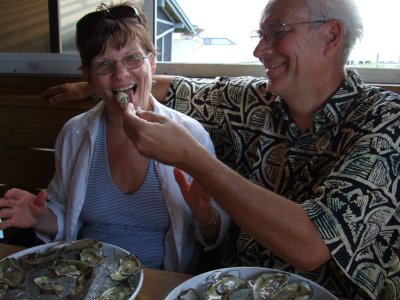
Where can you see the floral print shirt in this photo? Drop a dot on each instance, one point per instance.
(344, 172)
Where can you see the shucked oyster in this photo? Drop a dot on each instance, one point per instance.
(68, 267)
(92, 256)
(296, 290)
(268, 283)
(122, 97)
(116, 293)
(82, 285)
(266, 286)
(11, 273)
(128, 266)
(49, 285)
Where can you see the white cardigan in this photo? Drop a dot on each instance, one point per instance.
(66, 192)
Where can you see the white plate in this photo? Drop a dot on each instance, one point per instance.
(112, 253)
(248, 273)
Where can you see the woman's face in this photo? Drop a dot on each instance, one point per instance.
(129, 70)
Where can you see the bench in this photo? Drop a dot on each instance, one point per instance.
(28, 128)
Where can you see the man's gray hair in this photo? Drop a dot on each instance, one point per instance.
(345, 11)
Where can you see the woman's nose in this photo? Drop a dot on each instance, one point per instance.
(120, 69)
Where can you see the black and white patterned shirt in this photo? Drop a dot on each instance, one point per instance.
(344, 172)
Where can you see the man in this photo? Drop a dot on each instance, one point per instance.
(319, 147)
(313, 153)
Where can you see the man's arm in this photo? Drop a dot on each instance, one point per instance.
(278, 223)
(160, 88)
(76, 91)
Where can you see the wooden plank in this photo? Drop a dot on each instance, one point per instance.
(32, 126)
(29, 169)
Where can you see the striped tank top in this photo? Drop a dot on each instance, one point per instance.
(137, 222)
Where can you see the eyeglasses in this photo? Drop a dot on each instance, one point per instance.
(115, 13)
(132, 61)
(276, 30)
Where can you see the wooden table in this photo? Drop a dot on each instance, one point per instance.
(156, 284)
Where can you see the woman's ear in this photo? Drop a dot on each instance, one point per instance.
(153, 63)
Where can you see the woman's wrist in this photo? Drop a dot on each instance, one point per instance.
(212, 220)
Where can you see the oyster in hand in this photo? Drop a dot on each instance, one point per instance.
(122, 97)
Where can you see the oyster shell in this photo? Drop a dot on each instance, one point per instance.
(190, 294)
(116, 293)
(37, 260)
(244, 291)
(294, 291)
(128, 266)
(92, 256)
(82, 285)
(268, 283)
(68, 267)
(224, 286)
(11, 273)
(49, 285)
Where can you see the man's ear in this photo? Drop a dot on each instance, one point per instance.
(334, 35)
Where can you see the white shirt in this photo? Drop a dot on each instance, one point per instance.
(66, 192)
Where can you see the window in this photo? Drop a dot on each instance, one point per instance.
(193, 33)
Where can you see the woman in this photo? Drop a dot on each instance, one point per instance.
(103, 188)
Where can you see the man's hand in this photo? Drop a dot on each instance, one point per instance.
(67, 92)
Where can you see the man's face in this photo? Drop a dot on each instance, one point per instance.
(289, 48)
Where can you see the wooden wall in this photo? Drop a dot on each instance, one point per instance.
(24, 26)
(28, 129)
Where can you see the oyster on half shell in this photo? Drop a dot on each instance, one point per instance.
(128, 266)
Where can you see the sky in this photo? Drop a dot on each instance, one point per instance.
(222, 18)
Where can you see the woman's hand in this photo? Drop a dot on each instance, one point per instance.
(19, 208)
(200, 203)
(68, 92)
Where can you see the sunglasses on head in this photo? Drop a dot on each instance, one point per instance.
(115, 13)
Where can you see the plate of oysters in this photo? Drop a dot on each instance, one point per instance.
(250, 283)
(82, 269)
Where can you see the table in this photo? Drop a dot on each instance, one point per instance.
(156, 284)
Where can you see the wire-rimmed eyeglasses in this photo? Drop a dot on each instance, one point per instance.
(131, 61)
(115, 13)
(276, 30)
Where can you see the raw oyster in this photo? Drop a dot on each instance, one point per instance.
(68, 267)
(82, 285)
(244, 291)
(92, 256)
(116, 293)
(224, 286)
(73, 250)
(37, 260)
(294, 291)
(122, 97)
(268, 283)
(190, 294)
(3, 290)
(49, 285)
(128, 266)
(11, 273)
